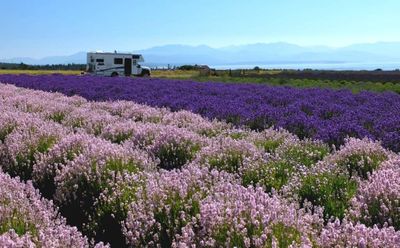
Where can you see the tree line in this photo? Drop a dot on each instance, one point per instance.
(23, 66)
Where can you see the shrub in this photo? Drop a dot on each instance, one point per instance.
(377, 201)
(25, 144)
(302, 153)
(227, 154)
(347, 234)
(173, 147)
(289, 157)
(168, 202)
(359, 157)
(26, 220)
(328, 189)
(270, 139)
(86, 119)
(120, 132)
(81, 181)
(111, 208)
(194, 123)
(51, 163)
(271, 174)
(234, 216)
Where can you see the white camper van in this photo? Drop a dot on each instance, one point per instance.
(116, 64)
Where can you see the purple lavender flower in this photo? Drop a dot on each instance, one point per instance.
(324, 114)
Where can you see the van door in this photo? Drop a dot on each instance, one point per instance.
(128, 67)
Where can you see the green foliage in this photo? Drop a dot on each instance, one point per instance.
(78, 122)
(238, 135)
(234, 119)
(57, 116)
(220, 236)
(25, 161)
(23, 67)
(46, 185)
(110, 211)
(18, 223)
(173, 155)
(88, 189)
(276, 172)
(6, 130)
(120, 137)
(378, 216)
(230, 162)
(362, 164)
(306, 153)
(260, 123)
(284, 235)
(187, 67)
(119, 165)
(329, 190)
(169, 219)
(269, 145)
(273, 175)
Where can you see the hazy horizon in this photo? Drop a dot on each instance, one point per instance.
(215, 47)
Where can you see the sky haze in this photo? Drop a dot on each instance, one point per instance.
(43, 28)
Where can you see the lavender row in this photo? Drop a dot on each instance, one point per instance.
(134, 175)
(27, 220)
(322, 114)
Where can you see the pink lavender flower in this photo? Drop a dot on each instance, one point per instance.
(235, 216)
(167, 203)
(228, 154)
(171, 146)
(132, 111)
(194, 123)
(91, 121)
(112, 206)
(378, 199)
(85, 176)
(347, 234)
(359, 157)
(52, 163)
(26, 142)
(26, 220)
(270, 139)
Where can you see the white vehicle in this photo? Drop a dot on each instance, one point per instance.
(116, 64)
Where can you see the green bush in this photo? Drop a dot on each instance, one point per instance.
(329, 190)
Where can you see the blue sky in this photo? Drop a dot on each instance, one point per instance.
(41, 28)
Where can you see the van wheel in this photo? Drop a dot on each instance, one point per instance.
(114, 74)
(145, 74)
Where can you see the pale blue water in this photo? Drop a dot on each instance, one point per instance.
(317, 66)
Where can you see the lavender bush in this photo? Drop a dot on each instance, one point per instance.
(26, 220)
(378, 199)
(324, 114)
(134, 175)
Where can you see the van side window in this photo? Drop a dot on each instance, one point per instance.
(100, 60)
(118, 61)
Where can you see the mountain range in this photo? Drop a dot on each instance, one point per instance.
(258, 53)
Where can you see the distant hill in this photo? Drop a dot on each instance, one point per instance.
(77, 58)
(257, 53)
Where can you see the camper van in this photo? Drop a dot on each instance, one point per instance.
(116, 64)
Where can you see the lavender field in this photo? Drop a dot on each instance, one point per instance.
(80, 173)
(323, 114)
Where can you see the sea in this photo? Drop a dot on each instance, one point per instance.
(386, 66)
